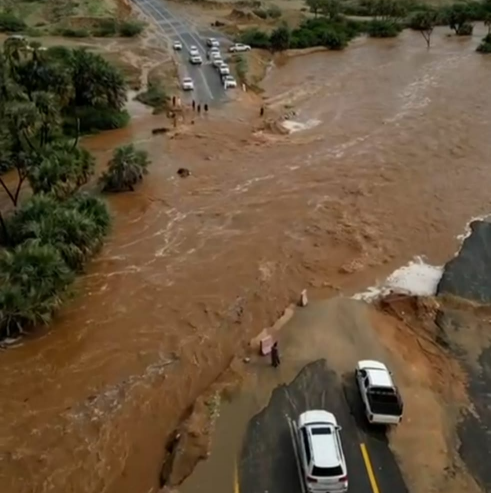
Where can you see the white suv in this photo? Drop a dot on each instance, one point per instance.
(321, 453)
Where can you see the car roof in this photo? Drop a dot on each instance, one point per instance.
(187, 79)
(325, 452)
(379, 378)
(319, 416)
(377, 372)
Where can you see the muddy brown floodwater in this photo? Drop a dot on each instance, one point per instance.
(395, 162)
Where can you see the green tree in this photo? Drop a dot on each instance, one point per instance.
(424, 21)
(459, 17)
(62, 169)
(280, 38)
(125, 170)
(331, 8)
(316, 6)
(487, 21)
(33, 278)
(65, 226)
(96, 82)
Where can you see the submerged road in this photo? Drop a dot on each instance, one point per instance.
(268, 461)
(208, 86)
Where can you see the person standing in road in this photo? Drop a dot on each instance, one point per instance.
(261, 111)
(199, 108)
(206, 108)
(173, 100)
(275, 356)
(194, 104)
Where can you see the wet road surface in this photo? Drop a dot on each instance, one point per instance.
(208, 86)
(268, 463)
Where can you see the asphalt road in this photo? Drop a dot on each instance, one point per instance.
(208, 86)
(268, 463)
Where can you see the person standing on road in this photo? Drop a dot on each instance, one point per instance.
(194, 104)
(173, 100)
(206, 108)
(199, 108)
(275, 356)
(261, 111)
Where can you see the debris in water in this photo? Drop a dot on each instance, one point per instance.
(160, 130)
(183, 172)
(303, 298)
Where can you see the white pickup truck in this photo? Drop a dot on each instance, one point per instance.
(381, 399)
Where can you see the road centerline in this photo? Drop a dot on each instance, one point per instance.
(369, 468)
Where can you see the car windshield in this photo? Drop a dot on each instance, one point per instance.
(187, 79)
(327, 472)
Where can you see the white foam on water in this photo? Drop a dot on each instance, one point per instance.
(467, 232)
(293, 126)
(417, 278)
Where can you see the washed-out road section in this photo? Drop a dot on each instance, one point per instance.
(268, 460)
(207, 82)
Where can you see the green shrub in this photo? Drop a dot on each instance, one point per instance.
(383, 29)
(155, 96)
(107, 28)
(334, 33)
(335, 39)
(485, 46)
(260, 13)
(33, 32)
(242, 68)
(274, 12)
(255, 38)
(33, 279)
(10, 23)
(66, 226)
(129, 29)
(280, 38)
(125, 170)
(95, 119)
(74, 33)
(465, 29)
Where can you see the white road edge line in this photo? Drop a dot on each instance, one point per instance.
(294, 433)
(152, 7)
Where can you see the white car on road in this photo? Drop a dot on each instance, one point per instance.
(177, 45)
(320, 453)
(239, 47)
(217, 60)
(193, 50)
(187, 84)
(381, 399)
(213, 51)
(229, 82)
(223, 69)
(212, 42)
(195, 59)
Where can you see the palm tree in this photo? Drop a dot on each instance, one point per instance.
(125, 169)
(96, 82)
(33, 278)
(76, 234)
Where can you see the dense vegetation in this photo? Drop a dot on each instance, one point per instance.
(331, 27)
(48, 235)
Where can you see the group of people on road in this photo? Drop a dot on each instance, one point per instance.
(197, 107)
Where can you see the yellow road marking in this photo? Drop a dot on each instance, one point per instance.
(368, 465)
(236, 478)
